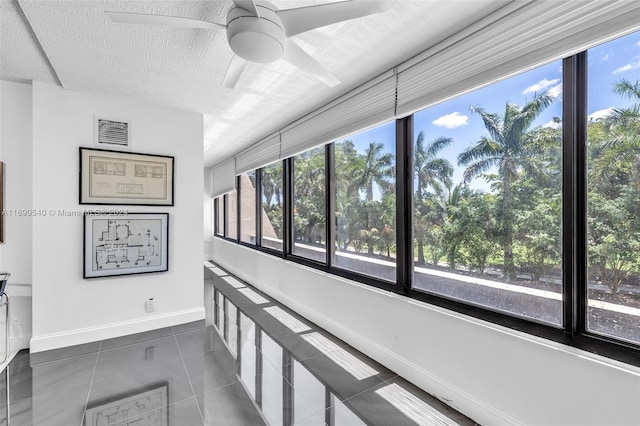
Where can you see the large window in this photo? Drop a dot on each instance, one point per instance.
(519, 203)
(487, 196)
(248, 207)
(309, 206)
(613, 173)
(272, 206)
(365, 203)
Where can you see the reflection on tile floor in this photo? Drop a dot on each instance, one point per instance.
(251, 362)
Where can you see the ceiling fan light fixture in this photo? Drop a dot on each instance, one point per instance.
(256, 39)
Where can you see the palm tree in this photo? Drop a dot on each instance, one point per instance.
(377, 168)
(624, 131)
(626, 119)
(509, 149)
(272, 183)
(430, 171)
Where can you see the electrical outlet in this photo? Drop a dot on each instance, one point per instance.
(17, 319)
(150, 305)
(150, 353)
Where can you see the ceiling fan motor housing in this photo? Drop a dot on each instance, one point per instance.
(256, 39)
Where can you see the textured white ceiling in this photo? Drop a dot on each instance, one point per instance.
(184, 68)
(21, 59)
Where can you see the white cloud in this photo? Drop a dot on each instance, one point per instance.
(632, 66)
(553, 125)
(555, 91)
(600, 114)
(540, 86)
(451, 121)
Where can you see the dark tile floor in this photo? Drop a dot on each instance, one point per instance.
(251, 362)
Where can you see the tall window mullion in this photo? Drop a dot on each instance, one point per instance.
(330, 202)
(287, 211)
(238, 213)
(573, 230)
(225, 219)
(259, 207)
(404, 204)
(215, 216)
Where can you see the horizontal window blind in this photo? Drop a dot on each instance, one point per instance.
(261, 154)
(518, 37)
(223, 178)
(363, 107)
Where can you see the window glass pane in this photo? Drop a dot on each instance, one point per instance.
(220, 215)
(309, 214)
(487, 196)
(248, 207)
(231, 216)
(366, 202)
(272, 203)
(613, 206)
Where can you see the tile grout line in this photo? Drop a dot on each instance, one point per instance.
(93, 375)
(188, 377)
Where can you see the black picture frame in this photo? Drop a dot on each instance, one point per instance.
(109, 177)
(116, 244)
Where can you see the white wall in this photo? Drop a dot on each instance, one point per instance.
(492, 374)
(208, 215)
(68, 309)
(15, 252)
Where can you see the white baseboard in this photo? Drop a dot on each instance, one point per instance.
(47, 342)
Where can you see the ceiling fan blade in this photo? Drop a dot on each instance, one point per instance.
(248, 5)
(307, 18)
(148, 19)
(301, 59)
(234, 71)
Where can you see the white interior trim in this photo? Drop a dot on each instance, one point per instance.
(47, 342)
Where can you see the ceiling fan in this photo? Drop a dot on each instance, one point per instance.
(259, 32)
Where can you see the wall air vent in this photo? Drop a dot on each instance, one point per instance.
(113, 133)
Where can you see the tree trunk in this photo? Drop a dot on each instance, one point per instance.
(509, 267)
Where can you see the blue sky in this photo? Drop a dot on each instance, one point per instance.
(608, 64)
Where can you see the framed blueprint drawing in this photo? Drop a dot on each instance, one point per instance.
(125, 178)
(123, 244)
(147, 406)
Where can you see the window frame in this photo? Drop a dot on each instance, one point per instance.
(225, 235)
(290, 229)
(259, 246)
(257, 211)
